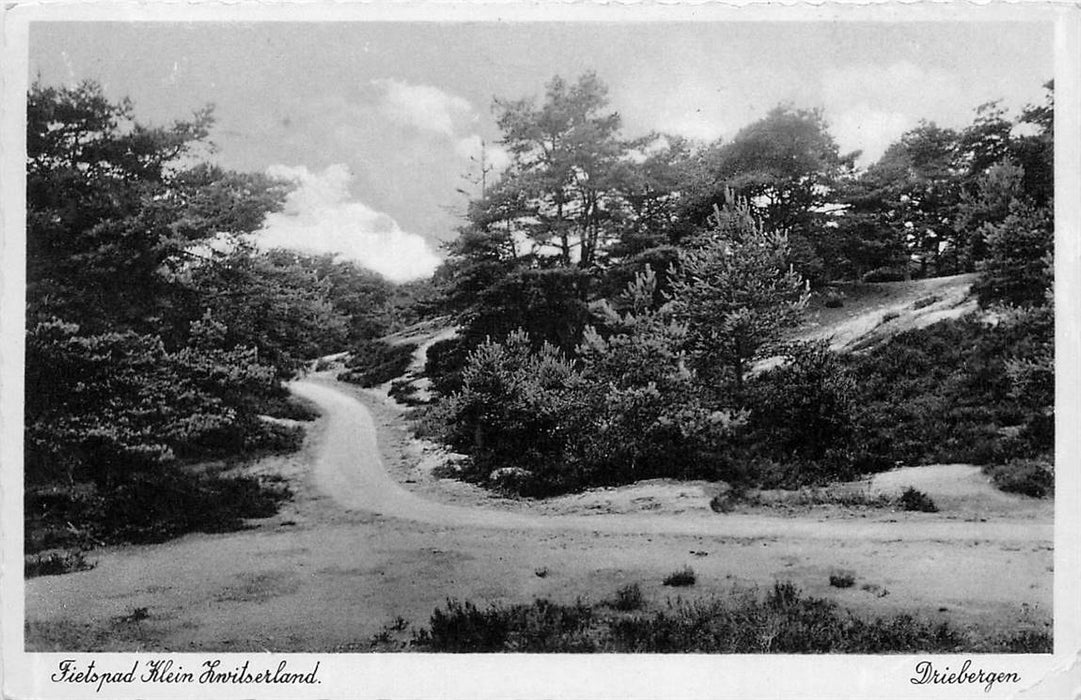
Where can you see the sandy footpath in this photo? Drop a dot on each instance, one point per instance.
(370, 537)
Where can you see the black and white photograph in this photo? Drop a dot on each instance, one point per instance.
(456, 350)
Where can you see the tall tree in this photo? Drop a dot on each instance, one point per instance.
(736, 292)
(113, 213)
(129, 358)
(788, 166)
(907, 201)
(568, 164)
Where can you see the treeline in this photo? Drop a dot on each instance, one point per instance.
(613, 296)
(157, 334)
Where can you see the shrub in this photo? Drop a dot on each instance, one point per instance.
(1027, 642)
(512, 413)
(683, 577)
(444, 363)
(628, 598)
(54, 563)
(842, 579)
(539, 627)
(291, 408)
(915, 500)
(101, 406)
(885, 274)
(942, 394)
(375, 362)
(1030, 477)
(148, 507)
(802, 409)
(404, 391)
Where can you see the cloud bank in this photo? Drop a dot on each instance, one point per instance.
(423, 107)
(320, 216)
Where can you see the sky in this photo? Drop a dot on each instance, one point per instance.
(379, 124)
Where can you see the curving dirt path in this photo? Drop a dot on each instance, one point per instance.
(349, 468)
(354, 550)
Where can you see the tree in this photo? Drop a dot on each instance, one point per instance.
(275, 303)
(789, 168)
(136, 351)
(644, 412)
(561, 189)
(736, 292)
(1018, 269)
(112, 213)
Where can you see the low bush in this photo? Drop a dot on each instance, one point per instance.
(148, 507)
(1029, 477)
(404, 391)
(536, 628)
(628, 598)
(783, 621)
(885, 274)
(915, 500)
(944, 393)
(683, 577)
(291, 408)
(842, 579)
(55, 562)
(924, 302)
(444, 364)
(376, 362)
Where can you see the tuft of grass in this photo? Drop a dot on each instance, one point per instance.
(916, 500)
(628, 598)
(683, 577)
(842, 579)
(136, 615)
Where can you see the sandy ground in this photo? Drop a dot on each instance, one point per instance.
(371, 535)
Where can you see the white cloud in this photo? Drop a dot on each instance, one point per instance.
(870, 105)
(321, 217)
(422, 106)
(869, 130)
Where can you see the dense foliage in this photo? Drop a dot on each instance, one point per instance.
(156, 333)
(614, 296)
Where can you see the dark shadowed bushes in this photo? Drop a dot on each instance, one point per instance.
(784, 621)
(1030, 477)
(944, 394)
(375, 362)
